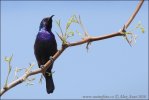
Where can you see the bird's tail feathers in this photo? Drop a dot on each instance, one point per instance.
(49, 84)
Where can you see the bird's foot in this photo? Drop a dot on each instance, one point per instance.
(41, 66)
(51, 58)
(49, 73)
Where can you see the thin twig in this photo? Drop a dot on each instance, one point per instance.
(82, 26)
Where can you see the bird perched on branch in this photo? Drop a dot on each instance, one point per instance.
(45, 46)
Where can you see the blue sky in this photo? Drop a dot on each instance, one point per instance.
(110, 67)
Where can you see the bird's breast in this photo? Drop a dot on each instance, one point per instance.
(45, 36)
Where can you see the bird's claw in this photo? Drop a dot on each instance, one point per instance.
(41, 66)
(51, 58)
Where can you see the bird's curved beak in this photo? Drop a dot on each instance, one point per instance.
(52, 16)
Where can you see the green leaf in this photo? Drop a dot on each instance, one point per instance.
(8, 59)
(74, 19)
(68, 25)
(64, 39)
(142, 30)
(70, 33)
(139, 25)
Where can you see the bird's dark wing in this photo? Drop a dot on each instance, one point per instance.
(44, 49)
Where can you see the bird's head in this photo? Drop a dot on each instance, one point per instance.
(46, 23)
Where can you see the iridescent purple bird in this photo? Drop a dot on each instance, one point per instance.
(45, 46)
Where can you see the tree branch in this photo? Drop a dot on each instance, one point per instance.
(66, 45)
(134, 14)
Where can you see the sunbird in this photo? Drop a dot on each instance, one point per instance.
(45, 47)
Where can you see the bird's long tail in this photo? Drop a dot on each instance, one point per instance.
(49, 83)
